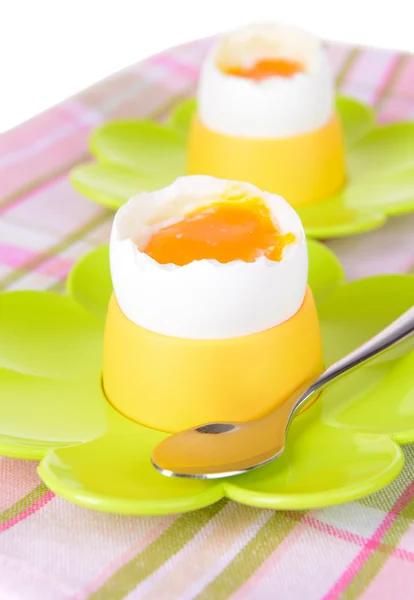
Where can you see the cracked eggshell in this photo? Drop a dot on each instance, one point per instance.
(204, 299)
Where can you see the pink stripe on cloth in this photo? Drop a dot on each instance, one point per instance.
(176, 65)
(18, 478)
(395, 109)
(122, 560)
(386, 77)
(336, 532)
(371, 545)
(407, 265)
(55, 141)
(56, 267)
(54, 206)
(370, 68)
(405, 84)
(394, 580)
(17, 257)
(29, 511)
(81, 114)
(349, 536)
(40, 189)
(23, 135)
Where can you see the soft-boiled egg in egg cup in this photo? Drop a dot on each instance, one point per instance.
(211, 316)
(266, 114)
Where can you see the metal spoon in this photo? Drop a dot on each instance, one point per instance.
(224, 449)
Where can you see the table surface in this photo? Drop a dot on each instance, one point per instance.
(52, 550)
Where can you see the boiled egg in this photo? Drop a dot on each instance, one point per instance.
(207, 258)
(266, 114)
(266, 81)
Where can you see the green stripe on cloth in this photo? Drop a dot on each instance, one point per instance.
(379, 557)
(23, 504)
(386, 91)
(386, 501)
(59, 287)
(53, 251)
(153, 557)
(33, 185)
(392, 80)
(242, 567)
(348, 64)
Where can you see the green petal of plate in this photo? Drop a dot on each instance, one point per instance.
(52, 407)
(133, 156)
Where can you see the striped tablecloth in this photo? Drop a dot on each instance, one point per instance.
(52, 550)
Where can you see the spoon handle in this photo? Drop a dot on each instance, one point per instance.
(398, 331)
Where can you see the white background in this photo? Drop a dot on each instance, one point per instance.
(50, 49)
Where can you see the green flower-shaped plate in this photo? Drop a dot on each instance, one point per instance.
(52, 407)
(133, 156)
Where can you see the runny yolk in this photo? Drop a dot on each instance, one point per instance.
(226, 231)
(275, 67)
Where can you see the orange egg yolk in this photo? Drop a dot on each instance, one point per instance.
(265, 68)
(226, 231)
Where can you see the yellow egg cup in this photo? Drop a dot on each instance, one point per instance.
(171, 384)
(305, 168)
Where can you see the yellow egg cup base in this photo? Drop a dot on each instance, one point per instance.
(304, 169)
(171, 384)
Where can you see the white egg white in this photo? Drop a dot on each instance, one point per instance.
(276, 107)
(204, 299)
